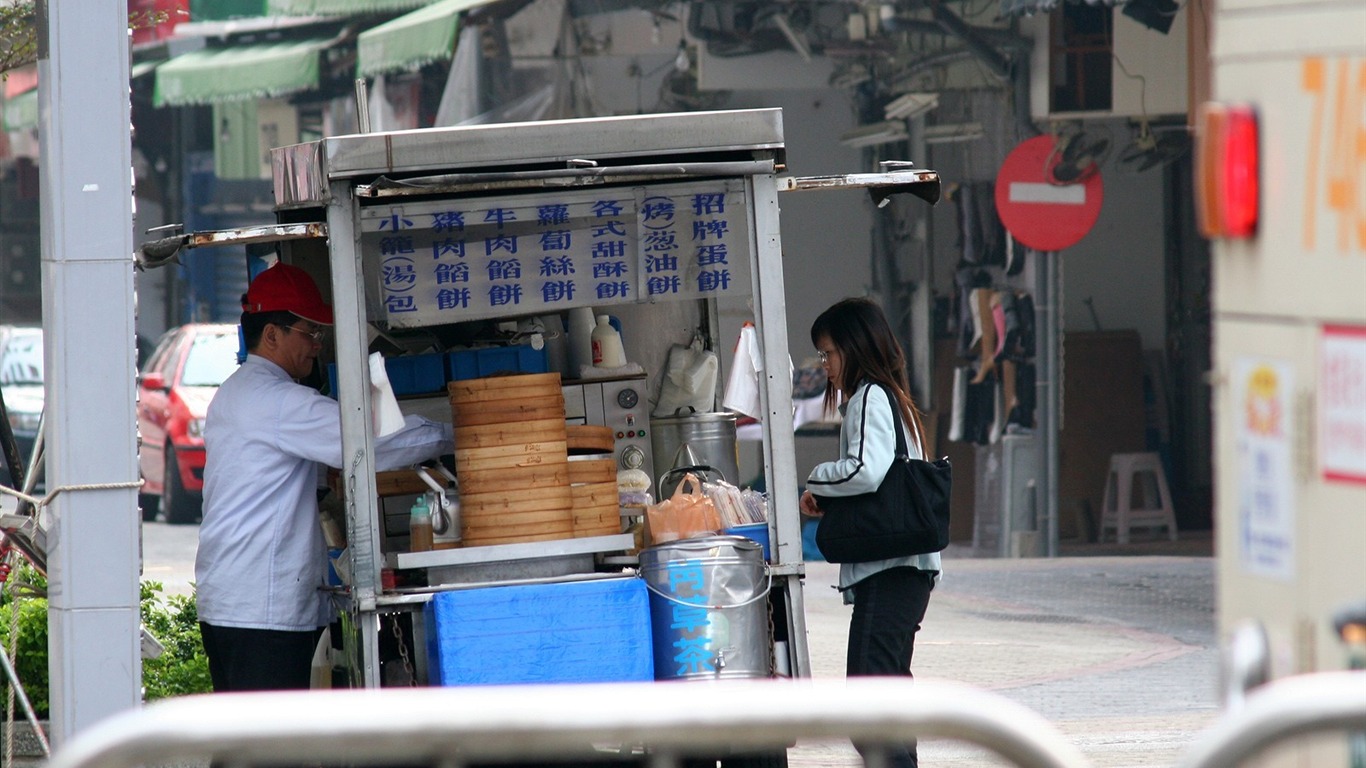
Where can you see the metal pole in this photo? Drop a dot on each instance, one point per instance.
(87, 272)
(1048, 389)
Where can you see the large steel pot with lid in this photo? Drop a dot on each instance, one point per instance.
(701, 443)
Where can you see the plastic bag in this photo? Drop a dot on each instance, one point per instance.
(685, 514)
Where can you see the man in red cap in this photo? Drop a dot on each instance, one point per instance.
(262, 559)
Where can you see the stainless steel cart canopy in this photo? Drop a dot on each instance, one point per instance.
(548, 153)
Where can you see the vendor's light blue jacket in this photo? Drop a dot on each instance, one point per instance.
(867, 449)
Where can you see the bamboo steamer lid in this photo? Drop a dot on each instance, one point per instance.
(590, 438)
(521, 387)
(594, 470)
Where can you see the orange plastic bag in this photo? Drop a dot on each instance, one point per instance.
(684, 515)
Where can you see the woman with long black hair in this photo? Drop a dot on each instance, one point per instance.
(863, 362)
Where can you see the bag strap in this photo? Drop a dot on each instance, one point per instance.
(902, 452)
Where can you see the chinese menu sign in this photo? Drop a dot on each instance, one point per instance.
(1342, 403)
(467, 258)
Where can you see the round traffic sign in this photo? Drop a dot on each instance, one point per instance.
(1044, 215)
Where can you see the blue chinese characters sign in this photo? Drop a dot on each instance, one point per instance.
(461, 259)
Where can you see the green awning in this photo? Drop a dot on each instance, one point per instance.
(222, 10)
(214, 75)
(21, 111)
(338, 7)
(143, 67)
(408, 42)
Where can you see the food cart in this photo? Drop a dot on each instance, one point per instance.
(432, 241)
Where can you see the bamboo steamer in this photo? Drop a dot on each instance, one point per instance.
(507, 411)
(511, 456)
(524, 522)
(515, 499)
(403, 482)
(509, 433)
(599, 523)
(592, 470)
(596, 501)
(590, 438)
(530, 386)
(477, 481)
(518, 539)
(595, 495)
(514, 455)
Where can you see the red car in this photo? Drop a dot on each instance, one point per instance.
(180, 378)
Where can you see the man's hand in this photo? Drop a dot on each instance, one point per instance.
(809, 506)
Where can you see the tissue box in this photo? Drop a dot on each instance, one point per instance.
(572, 632)
(479, 363)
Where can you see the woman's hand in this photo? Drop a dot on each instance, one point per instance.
(808, 505)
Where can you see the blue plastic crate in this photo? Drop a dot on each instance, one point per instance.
(572, 632)
(479, 363)
(408, 374)
(757, 532)
(416, 374)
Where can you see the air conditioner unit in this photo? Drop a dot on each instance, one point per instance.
(909, 105)
(872, 135)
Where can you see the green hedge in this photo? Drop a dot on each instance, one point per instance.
(172, 619)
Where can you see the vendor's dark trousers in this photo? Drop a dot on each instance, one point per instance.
(888, 609)
(258, 659)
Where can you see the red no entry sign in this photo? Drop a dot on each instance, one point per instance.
(1040, 214)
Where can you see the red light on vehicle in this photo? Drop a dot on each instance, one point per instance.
(1227, 183)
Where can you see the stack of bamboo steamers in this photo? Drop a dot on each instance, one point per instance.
(512, 456)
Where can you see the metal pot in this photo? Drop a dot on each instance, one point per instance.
(702, 443)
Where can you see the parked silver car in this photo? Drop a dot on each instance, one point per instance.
(21, 383)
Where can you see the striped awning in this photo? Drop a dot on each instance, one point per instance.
(413, 40)
(216, 75)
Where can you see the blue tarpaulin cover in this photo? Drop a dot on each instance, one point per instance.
(570, 632)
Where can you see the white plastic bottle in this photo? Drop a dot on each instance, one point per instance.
(607, 349)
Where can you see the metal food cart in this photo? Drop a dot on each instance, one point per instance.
(668, 222)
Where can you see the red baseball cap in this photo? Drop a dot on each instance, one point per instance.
(285, 288)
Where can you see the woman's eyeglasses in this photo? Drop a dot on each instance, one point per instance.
(824, 356)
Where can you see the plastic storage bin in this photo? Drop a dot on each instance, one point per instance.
(408, 374)
(478, 363)
(571, 632)
(757, 532)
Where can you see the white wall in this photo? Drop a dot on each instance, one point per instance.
(1121, 263)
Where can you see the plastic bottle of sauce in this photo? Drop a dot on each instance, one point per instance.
(607, 349)
(420, 526)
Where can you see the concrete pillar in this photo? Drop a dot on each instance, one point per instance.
(87, 272)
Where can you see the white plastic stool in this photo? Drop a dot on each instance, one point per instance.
(1118, 511)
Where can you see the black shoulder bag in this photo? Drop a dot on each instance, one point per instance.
(907, 515)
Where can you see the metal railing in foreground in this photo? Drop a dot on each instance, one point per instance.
(451, 727)
(1294, 706)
